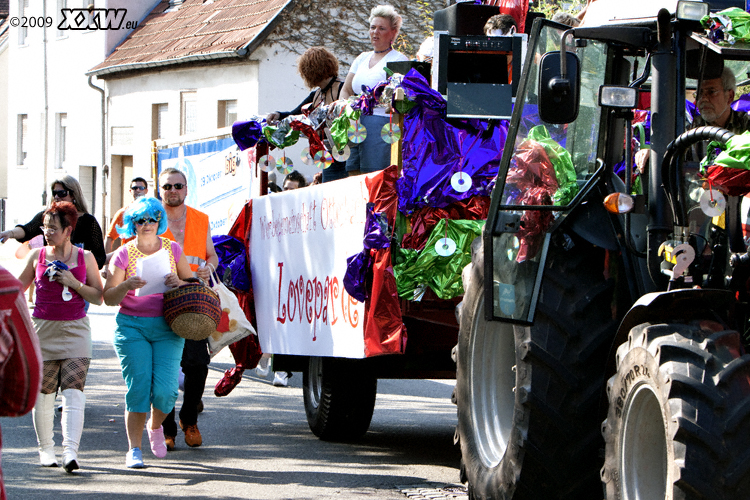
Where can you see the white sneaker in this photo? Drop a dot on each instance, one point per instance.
(280, 379)
(264, 366)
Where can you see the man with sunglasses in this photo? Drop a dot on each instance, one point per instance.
(713, 99)
(191, 230)
(138, 188)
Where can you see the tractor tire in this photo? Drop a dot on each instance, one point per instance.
(678, 415)
(339, 397)
(531, 399)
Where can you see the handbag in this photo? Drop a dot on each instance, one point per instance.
(192, 310)
(234, 325)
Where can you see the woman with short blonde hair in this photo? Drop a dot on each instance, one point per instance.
(368, 70)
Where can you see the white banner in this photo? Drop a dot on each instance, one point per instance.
(218, 177)
(300, 241)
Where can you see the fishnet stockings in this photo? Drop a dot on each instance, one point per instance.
(64, 373)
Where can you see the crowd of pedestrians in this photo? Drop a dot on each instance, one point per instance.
(64, 272)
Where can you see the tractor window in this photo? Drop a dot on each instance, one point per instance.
(548, 166)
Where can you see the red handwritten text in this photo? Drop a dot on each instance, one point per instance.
(314, 301)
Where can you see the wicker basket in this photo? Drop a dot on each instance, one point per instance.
(193, 311)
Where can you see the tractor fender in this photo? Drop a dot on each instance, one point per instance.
(677, 306)
(591, 221)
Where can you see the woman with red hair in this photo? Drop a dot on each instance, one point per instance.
(65, 277)
(319, 68)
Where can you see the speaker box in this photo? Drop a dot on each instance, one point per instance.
(464, 18)
(403, 67)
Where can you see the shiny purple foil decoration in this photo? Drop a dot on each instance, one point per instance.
(227, 249)
(355, 279)
(742, 104)
(377, 236)
(246, 134)
(434, 150)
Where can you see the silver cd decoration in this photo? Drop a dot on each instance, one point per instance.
(357, 133)
(713, 203)
(341, 154)
(445, 247)
(323, 159)
(267, 163)
(390, 133)
(461, 182)
(284, 164)
(306, 157)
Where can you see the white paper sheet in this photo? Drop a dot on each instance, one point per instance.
(153, 269)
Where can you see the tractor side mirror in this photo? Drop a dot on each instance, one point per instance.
(559, 87)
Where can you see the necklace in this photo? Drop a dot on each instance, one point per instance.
(178, 220)
(382, 51)
(70, 254)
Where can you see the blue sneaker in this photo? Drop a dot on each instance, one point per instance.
(134, 459)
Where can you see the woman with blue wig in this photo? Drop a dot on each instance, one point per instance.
(148, 349)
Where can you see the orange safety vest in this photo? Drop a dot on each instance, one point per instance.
(196, 234)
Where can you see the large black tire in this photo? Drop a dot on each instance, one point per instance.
(339, 397)
(677, 426)
(528, 398)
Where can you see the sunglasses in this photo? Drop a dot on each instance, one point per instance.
(177, 186)
(137, 188)
(62, 193)
(141, 222)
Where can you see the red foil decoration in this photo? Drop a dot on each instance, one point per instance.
(316, 144)
(534, 176)
(246, 352)
(732, 181)
(384, 331)
(424, 220)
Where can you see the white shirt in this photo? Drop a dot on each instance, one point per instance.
(365, 75)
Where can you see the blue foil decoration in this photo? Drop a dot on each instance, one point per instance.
(377, 236)
(246, 134)
(434, 150)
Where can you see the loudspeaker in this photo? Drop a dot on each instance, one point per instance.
(464, 18)
(403, 67)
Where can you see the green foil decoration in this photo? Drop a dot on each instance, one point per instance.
(340, 126)
(561, 161)
(736, 154)
(416, 269)
(280, 139)
(734, 21)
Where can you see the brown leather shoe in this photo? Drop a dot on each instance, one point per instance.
(192, 435)
(170, 442)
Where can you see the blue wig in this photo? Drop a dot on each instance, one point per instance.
(143, 208)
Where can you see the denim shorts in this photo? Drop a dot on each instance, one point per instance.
(373, 153)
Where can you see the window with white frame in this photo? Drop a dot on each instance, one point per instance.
(22, 141)
(86, 4)
(188, 113)
(227, 113)
(61, 4)
(23, 31)
(158, 120)
(61, 126)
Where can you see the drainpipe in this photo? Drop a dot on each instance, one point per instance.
(46, 107)
(105, 168)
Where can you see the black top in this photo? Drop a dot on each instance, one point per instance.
(310, 98)
(87, 233)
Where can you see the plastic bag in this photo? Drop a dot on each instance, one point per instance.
(234, 325)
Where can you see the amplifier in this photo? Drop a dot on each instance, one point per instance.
(478, 74)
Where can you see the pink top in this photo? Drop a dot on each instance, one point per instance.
(49, 301)
(125, 258)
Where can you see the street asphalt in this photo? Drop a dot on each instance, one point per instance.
(257, 444)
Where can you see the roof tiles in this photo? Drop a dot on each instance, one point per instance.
(194, 31)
